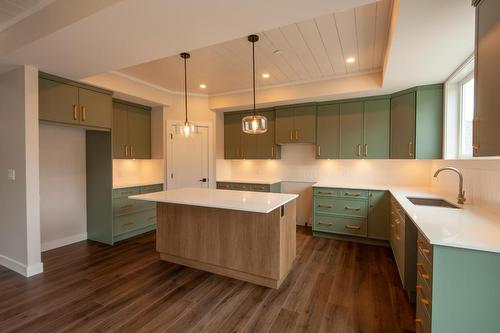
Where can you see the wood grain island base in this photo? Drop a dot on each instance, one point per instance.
(248, 236)
(253, 247)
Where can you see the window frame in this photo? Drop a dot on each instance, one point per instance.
(461, 83)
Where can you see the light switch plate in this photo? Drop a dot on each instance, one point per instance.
(11, 174)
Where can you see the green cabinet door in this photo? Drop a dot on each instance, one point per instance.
(379, 215)
(232, 135)
(139, 133)
(96, 108)
(351, 130)
(285, 125)
(328, 131)
(403, 126)
(248, 142)
(429, 122)
(120, 130)
(305, 124)
(376, 128)
(58, 102)
(266, 146)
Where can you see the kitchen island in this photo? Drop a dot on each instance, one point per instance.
(248, 236)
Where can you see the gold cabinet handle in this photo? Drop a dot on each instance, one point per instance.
(132, 151)
(475, 126)
(410, 149)
(126, 150)
(296, 134)
(327, 224)
(272, 151)
(75, 112)
(421, 271)
(291, 135)
(358, 149)
(84, 113)
(424, 301)
(424, 250)
(325, 206)
(320, 192)
(127, 224)
(318, 150)
(366, 149)
(352, 208)
(124, 207)
(350, 194)
(353, 227)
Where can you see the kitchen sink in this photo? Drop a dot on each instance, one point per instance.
(434, 202)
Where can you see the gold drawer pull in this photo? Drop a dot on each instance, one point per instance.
(272, 151)
(327, 224)
(125, 207)
(410, 149)
(127, 224)
(319, 150)
(353, 227)
(419, 287)
(418, 321)
(75, 112)
(424, 250)
(424, 301)
(84, 113)
(291, 135)
(352, 208)
(350, 194)
(319, 192)
(422, 272)
(325, 206)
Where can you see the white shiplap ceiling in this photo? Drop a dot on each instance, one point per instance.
(311, 50)
(12, 11)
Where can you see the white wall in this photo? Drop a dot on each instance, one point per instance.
(481, 181)
(19, 198)
(63, 213)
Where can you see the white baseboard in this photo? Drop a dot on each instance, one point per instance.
(21, 268)
(63, 241)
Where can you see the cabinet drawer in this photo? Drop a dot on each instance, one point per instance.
(152, 188)
(125, 192)
(340, 225)
(422, 320)
(350, 207)
(348, 193)
(325, 192)
(424, 248)
(134, 221)
(122, 206)
(424, 273)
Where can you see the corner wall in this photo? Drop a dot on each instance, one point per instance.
(20, 198)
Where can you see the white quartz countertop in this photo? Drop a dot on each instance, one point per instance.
(257, 202)
(250, 181)
(132, 184)
(470, 227)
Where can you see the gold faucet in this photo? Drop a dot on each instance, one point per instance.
(461, 193)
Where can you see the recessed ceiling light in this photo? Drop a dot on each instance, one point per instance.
(266, 75)
(203, 86)
(350, 60)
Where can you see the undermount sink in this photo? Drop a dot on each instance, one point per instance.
(434, 202)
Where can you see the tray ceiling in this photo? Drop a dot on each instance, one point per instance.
(310, 50)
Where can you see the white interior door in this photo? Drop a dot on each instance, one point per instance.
(188, 159)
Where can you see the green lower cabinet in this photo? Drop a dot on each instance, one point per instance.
(133, 217)
(273, 188)
(351, 212)
(457, 289)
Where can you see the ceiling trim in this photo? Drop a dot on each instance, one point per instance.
(295, 83)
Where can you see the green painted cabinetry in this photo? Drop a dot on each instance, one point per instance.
(296, 124)
(67, 102)
(351, 212)
(351, 130)
(486, 141)
(376, 128)
(328, 131)
(131, 130)
(417, 123)
(252, 187)
(239, 145)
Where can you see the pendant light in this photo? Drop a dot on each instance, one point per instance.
(186, 128)
(254, 124)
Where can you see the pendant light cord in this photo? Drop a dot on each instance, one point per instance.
(253, 71)
(185, 89)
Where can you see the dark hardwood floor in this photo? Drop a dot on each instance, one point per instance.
(335, 286)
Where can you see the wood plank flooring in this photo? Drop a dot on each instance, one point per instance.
(335, 286)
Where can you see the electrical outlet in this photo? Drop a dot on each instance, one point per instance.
(11, 174)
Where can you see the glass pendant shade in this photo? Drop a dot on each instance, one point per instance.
(254, 124)
(186, 128)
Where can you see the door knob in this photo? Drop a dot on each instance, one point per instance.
(203, 180)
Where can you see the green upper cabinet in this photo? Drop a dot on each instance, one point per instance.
(131, 130)
(351, 130)
(239, 145)
(376, 128)
(403, 126)
(296, 124)
(486, 141)
(417, 123)
(328, 131)
(58, 102)
(67, 102)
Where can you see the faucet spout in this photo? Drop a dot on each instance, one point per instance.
(461, 193)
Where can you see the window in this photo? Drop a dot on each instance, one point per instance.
(466, 116)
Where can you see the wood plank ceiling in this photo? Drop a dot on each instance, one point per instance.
(11, 10)
(311, 50)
